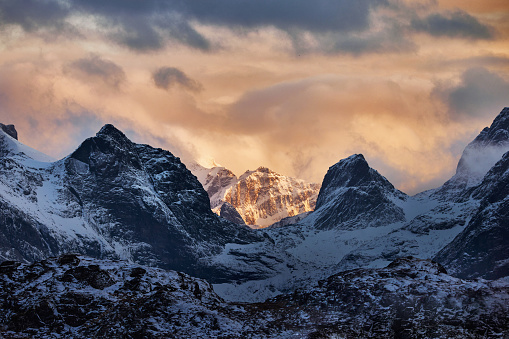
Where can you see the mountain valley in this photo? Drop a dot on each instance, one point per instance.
(117, 221)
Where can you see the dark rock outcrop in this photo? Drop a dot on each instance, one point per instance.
(354, 193)
(479, 156)
(10, 130)
(230, 213)
(410, 298)
(482, 249)
(79, 297)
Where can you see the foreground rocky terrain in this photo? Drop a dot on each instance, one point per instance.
(76, 297)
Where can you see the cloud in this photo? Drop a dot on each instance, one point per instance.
(478, 93)
(389, 40)
(97, 69)
(150, 25)
(302, 127)
(321, 26)
(493, 61)
(456, 24)
(167, 77)
(314, 16)
(32, 14)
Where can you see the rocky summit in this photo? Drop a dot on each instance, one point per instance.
(353, 193)
(261, 197)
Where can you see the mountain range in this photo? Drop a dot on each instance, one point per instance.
(112, 199)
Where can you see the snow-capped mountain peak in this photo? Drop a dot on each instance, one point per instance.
(352, 191)
(261, 197)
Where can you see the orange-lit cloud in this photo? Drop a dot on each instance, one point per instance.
(408, 84)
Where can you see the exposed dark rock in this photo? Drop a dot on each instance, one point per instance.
(482, 249)
(354, 193)
(10, 130)
(125, 199)
(410, 298)
(230, 213)
(479, 156)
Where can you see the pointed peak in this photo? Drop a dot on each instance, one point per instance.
(354, 158)
(502, 120)
(109, 139)
(110, 130)
(355, 162)
(9, 130)
(353, 171)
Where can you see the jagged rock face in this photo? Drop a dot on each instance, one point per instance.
(480, 155)
(482, 250)
(112, 198)
(361, 221)
(230, 213)
(10, 130)
(77, 297)
(263, 197)
(410, 298)
(354, 193)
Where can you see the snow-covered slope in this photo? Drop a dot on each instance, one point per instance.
(353, 195)
(112, 198)
(261, 197)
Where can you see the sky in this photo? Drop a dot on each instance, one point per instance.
(292, 85)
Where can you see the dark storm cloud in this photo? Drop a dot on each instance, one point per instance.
(390, 40)
(94, 67)
(314, 16)
(167, 77)
(149, 25)
(457, 24)
(480, 92)
(144, 25)
(32, 14)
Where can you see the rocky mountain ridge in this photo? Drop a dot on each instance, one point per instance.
(261, 197)
(112, 198)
